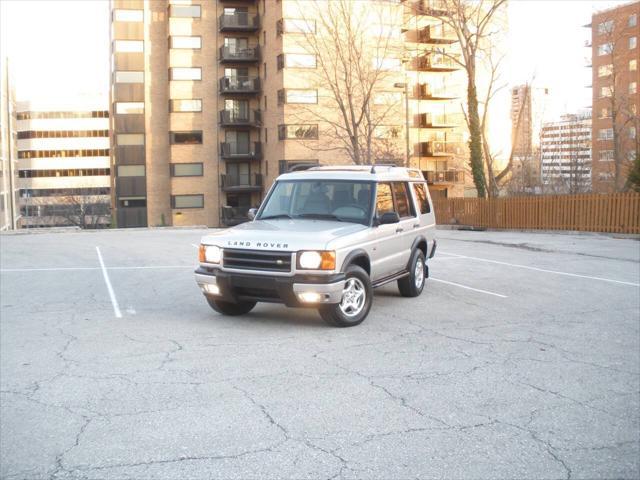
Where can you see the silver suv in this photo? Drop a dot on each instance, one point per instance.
(324, 238)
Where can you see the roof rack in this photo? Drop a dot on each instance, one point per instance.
(387, 165)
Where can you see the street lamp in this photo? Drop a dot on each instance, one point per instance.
(405, 85)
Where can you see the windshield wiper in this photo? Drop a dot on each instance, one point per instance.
(320, 216)
(279, 215)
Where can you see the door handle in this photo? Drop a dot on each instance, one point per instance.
(416, 225)
(398, 230)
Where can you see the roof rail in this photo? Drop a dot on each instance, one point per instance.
(387, 165)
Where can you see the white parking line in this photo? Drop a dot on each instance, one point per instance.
(64, 269)
(194, 245)
(527, 267)
(114, 301)
(468, 288)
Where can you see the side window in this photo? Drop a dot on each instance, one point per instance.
(421, 195)
(402, 199)
(384, 199)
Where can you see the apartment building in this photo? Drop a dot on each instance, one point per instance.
(565, 152)
(529, 110)
(615, 56)
(211, 101)
(8, 163)
(64, 172)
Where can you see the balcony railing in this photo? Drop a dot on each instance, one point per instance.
(231, 216)
(433, 8)
(437, 34)
(239, 21)
(436, 62)
(424, 91)
(235, 55)
(430, 120)
(236, 85)
(445, 176)
(241, 183)
(241, 151)
(232, 118)
(435, 148)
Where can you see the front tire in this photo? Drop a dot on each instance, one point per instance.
(230, 308)
(357, 297)
(413, 284)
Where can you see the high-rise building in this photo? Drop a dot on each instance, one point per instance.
(529, 110)
(211, 100)
(565, 151)
(615, 56)
(9, 212)
(64, 174)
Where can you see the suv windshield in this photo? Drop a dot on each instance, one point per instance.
(344, 201)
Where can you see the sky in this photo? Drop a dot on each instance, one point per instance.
(61, 47)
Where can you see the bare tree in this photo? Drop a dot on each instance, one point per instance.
(85, 210)
(352, 67)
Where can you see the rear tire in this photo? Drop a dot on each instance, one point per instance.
(230, 308)
(413, 284)
(356, 301)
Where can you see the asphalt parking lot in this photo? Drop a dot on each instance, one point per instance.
(520, 360)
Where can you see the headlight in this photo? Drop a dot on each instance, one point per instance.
(317, 260)
(209, 254)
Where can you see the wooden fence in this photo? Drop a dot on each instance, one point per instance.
(618, 212)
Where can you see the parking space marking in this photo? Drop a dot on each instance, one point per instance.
(194, 245)
(468, 288)
(557, 272)
(65, 269)
(114, 300)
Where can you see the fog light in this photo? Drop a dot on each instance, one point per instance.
(309, 297)
(211, 289)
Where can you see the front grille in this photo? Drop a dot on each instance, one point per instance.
(268, 261)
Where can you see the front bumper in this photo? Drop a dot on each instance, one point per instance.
(237, 287)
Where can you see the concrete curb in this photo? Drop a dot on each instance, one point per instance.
(471, 228)
(41, 231)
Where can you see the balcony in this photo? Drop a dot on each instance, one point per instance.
(241, 183)
(435, 148)
(444, 176)
(232, 118)
(424, 91)
(436, 62)
(430, 120)
(239, 85)
(233, 151)
(231, 216)
(239, 55)
(239, 22)
(433, 8)
(437, 34)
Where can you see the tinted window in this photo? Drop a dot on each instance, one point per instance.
(186, 138)
(384, 200)
(402, 200)
(421, 197)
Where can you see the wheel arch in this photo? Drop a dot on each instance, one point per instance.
(357, 257)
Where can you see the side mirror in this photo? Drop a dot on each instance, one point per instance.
(251, 214)
(389, 217)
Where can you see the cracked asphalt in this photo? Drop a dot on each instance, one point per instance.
(534, 374)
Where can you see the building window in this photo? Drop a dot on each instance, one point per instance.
(121, 15)
(386, 64)
(606, 155)
(633, 42)
(26, 134)
(132, 202)
(185, 73)
(296, 25)
(129, 77)
(296, 60)
(89, 152)
(291, 95)
(605, 70)
(129, 107)
(632, 132)
(633, 65)
(605, 27)
(299, 132)
(186, 138)
(185, 105)
(386, 131)
(184, 11)
(605, 92)
(605, 49)
(605, 113)
(633, 88)
(131, 170)
(631, 155)
(187, 201)
(125, 139)
(194, 43)
(128, 46)
(70, 172)
(186, 170)
(605, 134)
(633, 20)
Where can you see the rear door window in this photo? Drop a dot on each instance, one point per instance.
(422, 198)
(384, 199)
(402, 200)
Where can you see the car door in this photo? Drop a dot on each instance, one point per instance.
(405, 230)
(426, 215)
(384, 249)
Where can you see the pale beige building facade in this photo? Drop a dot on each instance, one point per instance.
(212, 100)
(9, 212)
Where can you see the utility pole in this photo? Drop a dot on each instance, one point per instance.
(405, 85)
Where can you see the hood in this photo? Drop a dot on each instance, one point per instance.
(282, 234)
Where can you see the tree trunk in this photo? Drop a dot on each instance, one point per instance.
(475, 138)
